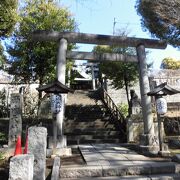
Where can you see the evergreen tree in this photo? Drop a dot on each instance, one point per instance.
(161, 19)
(170, 63)
(37, 59)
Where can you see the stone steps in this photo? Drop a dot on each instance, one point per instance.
(113, 161)
(80, 136)
(86, 116)
(83, 125)
(128, 171)
(90, 118)
(91, 137)
(149, 177)
(77, 141)
(88, 121)
(90, 131)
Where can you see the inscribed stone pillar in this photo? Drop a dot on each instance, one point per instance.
(61, 73)
(15, 121)
(37, 143)
(21, 167)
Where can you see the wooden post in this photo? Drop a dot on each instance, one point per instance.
(160, 132)
(54, 133)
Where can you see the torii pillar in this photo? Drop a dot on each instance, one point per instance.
(61, 72)
(148, 140)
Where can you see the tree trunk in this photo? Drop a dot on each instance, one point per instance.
(127, 91)
(40, 93)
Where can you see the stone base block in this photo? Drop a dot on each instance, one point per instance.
(164, 153)
(149, 150)
(81, 172)
(21, 167)
(63, 152)
(148, 140)
(59, 152)
(149, 145)
(61, 142)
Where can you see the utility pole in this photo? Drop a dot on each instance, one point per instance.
(114, 24)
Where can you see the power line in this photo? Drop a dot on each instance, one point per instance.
(123, 23)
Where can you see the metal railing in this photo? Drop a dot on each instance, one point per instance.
(109, 103)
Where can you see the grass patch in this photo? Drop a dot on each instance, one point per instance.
(1, 156)
(174, 151)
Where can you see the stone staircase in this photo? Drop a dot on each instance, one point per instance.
(87, 121)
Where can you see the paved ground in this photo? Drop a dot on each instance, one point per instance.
(114, 154)
(112, 161)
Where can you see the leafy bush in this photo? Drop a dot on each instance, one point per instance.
(123, 108)
(2, 137)
(30, 102)
(1, 156)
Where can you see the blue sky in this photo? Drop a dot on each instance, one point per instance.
(97, 17)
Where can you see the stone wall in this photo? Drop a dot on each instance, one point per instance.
(135, 128)
(172, 77)
(119, 95)
(135, 125)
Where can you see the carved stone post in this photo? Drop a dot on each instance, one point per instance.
(15, 122)
(148, 139)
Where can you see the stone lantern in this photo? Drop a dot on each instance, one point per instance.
(161, 106)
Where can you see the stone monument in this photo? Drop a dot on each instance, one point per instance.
(37, 144)
(15, 121)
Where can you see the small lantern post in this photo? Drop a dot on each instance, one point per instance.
(56, 89)
(161, 106)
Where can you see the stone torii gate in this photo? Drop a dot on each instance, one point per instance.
(148, 139)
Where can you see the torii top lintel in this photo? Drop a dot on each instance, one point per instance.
(99, 39)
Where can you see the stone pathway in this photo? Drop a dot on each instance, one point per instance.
(112, 161)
